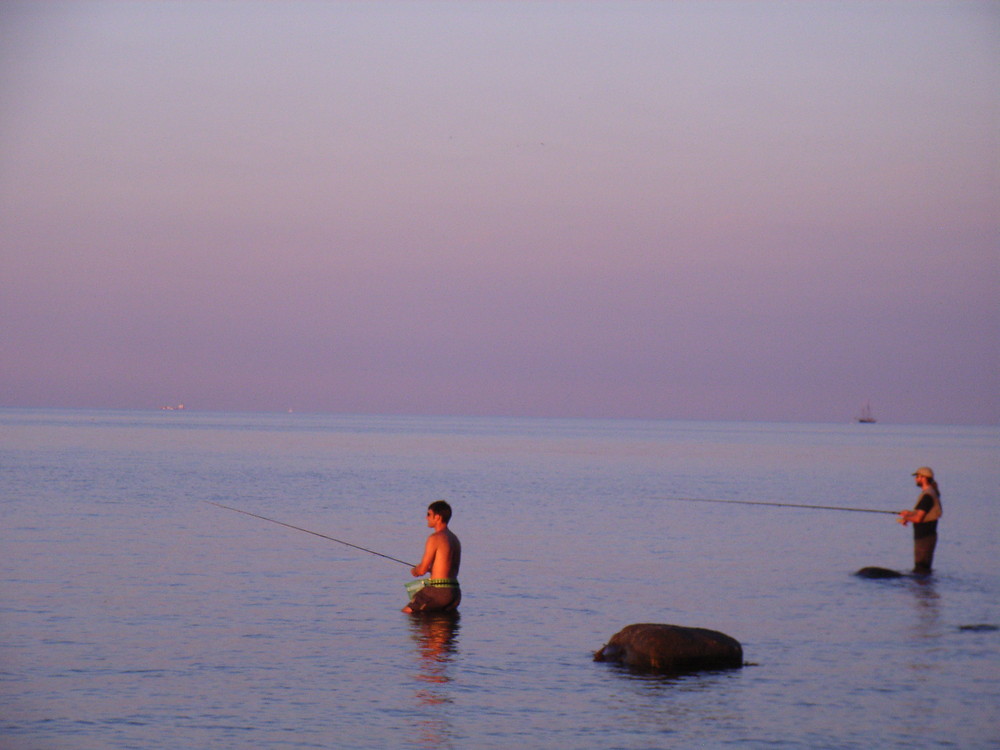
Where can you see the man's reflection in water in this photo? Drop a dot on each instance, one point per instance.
(927, 604)
(923, 657)
(436, 636)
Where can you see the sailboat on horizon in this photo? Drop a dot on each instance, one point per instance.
(867, 416)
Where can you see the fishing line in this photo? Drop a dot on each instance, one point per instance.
(314, 533)
(776, 505)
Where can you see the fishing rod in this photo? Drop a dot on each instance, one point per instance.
(314, 533)
(777, 505)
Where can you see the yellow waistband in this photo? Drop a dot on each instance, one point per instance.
(442, 583)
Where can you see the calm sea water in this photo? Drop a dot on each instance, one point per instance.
(134, 614)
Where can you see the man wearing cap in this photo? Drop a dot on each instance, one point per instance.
(924, 518)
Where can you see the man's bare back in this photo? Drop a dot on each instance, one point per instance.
(445, 552)
(442, 552)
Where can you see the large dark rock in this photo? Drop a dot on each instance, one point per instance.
(653, 647)
(875, 572)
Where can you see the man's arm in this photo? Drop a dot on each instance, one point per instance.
(924, 505)
(911, 516)
(430, 552)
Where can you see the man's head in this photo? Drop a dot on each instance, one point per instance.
(440, 508)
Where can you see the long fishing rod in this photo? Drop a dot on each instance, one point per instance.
(777, 505)
(314, 533)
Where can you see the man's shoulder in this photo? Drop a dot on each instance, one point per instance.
(445, 535)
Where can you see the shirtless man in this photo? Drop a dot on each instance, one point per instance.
(442, 557)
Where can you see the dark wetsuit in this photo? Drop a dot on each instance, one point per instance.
(437, 595)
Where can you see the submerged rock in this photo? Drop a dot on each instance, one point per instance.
(654, 647)
(874, 572)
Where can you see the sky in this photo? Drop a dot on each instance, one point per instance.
(763, 211)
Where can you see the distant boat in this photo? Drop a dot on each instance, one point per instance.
(866, 415)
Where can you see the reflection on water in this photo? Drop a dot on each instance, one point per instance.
(925, 631)
(927, 605)
(436, 636)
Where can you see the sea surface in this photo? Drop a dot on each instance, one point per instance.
(136, 614)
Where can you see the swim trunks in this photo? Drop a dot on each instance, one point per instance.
(437, 595)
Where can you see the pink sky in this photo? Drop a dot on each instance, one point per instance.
(753, 210)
